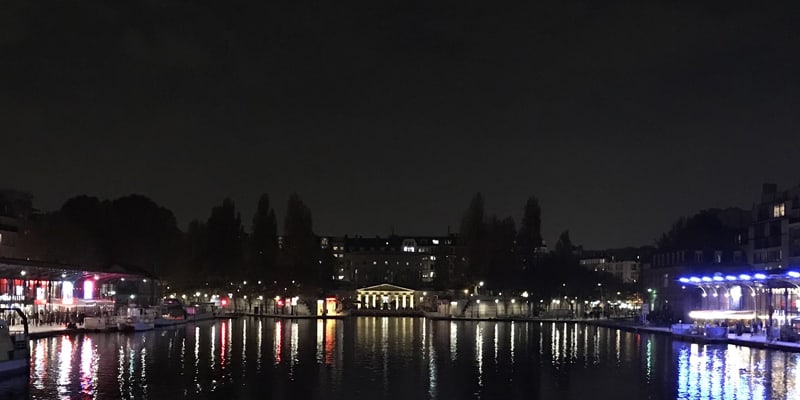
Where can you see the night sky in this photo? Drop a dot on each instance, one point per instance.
(619, 116)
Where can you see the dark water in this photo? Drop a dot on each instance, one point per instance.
(399, 358)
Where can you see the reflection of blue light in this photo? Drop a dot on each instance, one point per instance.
(706, 279)
(718, 278)
(760, 276)
(730, 278)
(694, 279)
(684, 280)
(744, 277)
(793, 274)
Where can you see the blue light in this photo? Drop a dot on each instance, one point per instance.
(706, 279)
(760, 276)
(744, 277)
(730, 278)
(684, 280)
(793, 274)
(694, 279)
(718, 278)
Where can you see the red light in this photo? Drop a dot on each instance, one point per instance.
(280, 303)
(223, 302)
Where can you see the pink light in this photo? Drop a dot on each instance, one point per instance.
(88, 289)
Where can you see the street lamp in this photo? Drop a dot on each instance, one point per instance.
(496, 308)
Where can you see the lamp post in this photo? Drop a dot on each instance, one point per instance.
(478, 302)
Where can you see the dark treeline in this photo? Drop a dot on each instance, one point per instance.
(136, 232)
(505, 257)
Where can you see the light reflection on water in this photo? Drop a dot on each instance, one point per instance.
(401, 358)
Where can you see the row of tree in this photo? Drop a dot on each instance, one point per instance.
(506, 258)
(135, 232)
(221, 250)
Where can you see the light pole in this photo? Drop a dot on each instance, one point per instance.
(478, 302)
(496, 308)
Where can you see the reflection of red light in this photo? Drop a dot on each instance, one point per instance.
(223, 302)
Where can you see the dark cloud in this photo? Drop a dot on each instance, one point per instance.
(620, 116)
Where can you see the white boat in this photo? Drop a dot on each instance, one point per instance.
(15, 354)
(200, 312)
(136, 319)
(102, 323)
(170, 313)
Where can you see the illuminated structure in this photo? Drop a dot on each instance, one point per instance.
(768, 295)
(36, 286)
(385, 297)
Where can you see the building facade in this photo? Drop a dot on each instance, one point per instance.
(775, 232)
(15, 211)
(627, 271)
(403, 260)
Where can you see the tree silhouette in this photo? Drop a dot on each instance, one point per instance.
(300, 248)
(473, 234)
(264, 241)
(225, 238)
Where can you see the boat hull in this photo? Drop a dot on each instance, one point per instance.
(15, 367)
(99, 324)
(162, 322)
(135, 326)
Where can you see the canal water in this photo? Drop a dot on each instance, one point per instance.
(398, 358)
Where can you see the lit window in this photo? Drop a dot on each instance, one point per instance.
(435, 241)
(778, 211)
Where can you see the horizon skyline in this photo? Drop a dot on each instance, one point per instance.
(619, 118)
(280, 213)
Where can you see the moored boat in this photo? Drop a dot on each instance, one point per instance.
(136, 319)
(101, 323)
(15, 350)
(200, 312)
(169, 313)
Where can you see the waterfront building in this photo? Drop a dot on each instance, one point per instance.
(41, 287)
(711, 241)
(775, 232)
(771, 296)
(385, 297)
